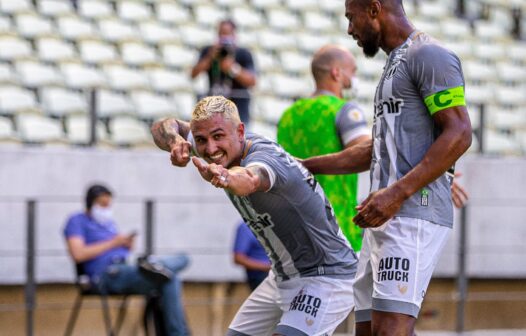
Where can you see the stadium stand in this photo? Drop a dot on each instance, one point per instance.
(138, 53)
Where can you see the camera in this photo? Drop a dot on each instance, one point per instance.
(226, 50)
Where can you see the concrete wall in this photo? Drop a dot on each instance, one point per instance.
(192, 216)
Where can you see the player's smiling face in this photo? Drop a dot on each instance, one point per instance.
(219, 140)
(362, 26)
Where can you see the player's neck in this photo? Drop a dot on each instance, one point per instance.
(395, 32)
(327, 89)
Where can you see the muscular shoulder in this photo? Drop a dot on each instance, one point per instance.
(429, 51)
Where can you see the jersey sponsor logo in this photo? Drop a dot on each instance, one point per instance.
(260, 223)
(424, 197)
(306, 303)
(391, 106)
(394, 269)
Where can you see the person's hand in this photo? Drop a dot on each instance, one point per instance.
(378, 208)
(213, 51)
(217, 175)
(227, 63)
(126, 241)
(180, 152)
(459, 195)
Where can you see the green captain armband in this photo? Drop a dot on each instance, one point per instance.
(445, 99)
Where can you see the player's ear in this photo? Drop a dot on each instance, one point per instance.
(335, 73)
(241, 131)
(374, 9)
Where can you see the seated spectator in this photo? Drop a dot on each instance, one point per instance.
(94, 242)
(249, 253)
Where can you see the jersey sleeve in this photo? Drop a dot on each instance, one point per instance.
(74, 228)
(437, 74)
(275, 161)
(351, 123)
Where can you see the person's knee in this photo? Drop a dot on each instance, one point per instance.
(392, 324)
(363, 328)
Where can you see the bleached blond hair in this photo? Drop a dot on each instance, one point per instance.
(207, 107)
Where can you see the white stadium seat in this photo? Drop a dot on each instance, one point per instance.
(5, 24)
(97, 52)
(13, 48)
(196, 36)
(7, 76)
(129, 131)
(185, 104)
(124, 79)
(110, 104)
(310, 43)
(295, 62)
(479, 72)
(113, 30)
(54, 8)
(59, 101)
(156, 33)
(133, 10)
(15, 99)
(32, 25)
(36, 128)
(178, 56)
(168, 81)
(7, 131)
(264, 129)
(55, 50)
(271, 40)
(80, 76)
(271, 109)
(283, 20)
(302, 4)
(208, 15)
(266, 4)
(172, 13)
(319, 22)
(247, 17)
(266, 61)
(73, 28)
(78, 130)
(36, 74)
(95, 9)
(152, 106)
(15, 6)
(138, 54)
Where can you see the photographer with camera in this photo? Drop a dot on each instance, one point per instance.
(230, 68)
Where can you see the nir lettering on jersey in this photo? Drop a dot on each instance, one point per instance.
(390, 106)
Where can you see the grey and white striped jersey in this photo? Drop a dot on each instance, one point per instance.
(293, 220)
(420, 78)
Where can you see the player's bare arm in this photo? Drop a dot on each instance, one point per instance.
(454, 140)
(237, 180)
(354, 159)
(170, 135)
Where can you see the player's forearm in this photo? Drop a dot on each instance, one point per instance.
(442, 155)
(250, 264)
(166, 131)
(354, 159)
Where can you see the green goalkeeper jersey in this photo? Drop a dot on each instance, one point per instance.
(322, 125)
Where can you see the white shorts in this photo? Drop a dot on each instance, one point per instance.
(301, 306)
(395, 266)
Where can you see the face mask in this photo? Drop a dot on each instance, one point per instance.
(227, 41)
(101, 215)
(349, 93)
(355, 83)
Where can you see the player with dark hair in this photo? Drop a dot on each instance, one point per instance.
(421, 128)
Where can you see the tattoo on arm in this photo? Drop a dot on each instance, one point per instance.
(262, 174)
(166, 131)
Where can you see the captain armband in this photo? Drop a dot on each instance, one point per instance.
(444, 99)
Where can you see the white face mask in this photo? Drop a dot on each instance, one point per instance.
(355, 83)
(101, 215)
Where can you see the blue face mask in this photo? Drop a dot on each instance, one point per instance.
(101, 215)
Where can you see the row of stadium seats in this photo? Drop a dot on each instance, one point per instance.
(138, 54)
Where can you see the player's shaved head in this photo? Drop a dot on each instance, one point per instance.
(393, 6)
(328, 57)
